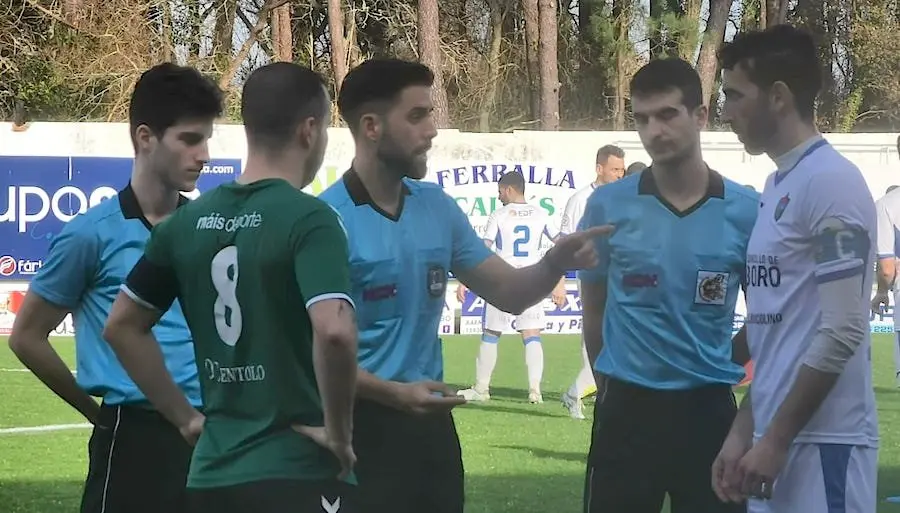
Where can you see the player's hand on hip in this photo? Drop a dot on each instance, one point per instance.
(192, 429)
(578, 250)
(759, 468)
(880, 303)
(342, 449)
(423, 397)
(726, 478)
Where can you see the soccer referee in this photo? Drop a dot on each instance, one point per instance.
(405, 235)
(658, 310)
(137, 460)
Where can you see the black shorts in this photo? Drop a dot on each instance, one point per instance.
(138, 463)
(407, 463)
(276, 496)
(649, 443)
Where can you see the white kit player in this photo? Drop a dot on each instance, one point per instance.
(888, 211)
(610, 164)
(806, 435)
(514, 232)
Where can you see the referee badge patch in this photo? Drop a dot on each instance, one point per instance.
(437, 281)
(712, 287)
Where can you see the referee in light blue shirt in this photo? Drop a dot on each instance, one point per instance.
(138, 461)
(405, 236)
(658, 310)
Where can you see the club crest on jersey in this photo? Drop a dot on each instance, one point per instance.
(437, 281)
(782, 204)
(712, 287)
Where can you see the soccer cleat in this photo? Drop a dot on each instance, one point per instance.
(574, 405)
(473, 394)
(535, 397)
(589, 391)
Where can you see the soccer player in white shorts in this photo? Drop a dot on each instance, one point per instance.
(515, 232)
(805, 438)
(610, 166)
(888, 209)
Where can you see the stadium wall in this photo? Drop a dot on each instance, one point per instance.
(52, 171)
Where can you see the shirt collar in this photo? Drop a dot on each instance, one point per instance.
(360, 196)
(131, 209)
(715, 189)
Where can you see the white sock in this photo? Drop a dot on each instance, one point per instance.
(897, 353)
(585, 377)
(534, 361)
(484, 364)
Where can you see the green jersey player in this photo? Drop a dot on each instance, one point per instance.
(261, 272)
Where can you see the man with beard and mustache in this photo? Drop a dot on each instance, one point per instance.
(265, 286)
(658, 310)
(405, 235)
(806, 435)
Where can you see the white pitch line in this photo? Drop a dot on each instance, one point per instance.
(42, 429)
(25, 370)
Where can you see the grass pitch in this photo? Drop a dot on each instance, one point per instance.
(520, 458)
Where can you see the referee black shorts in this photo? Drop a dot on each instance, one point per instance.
(407, 463)
(138, 463)
(277, 496)
(649, 443)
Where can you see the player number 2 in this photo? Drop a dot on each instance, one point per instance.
(227, 311)
(524, 234)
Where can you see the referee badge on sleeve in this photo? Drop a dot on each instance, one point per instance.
(437, 281)
(712, 287)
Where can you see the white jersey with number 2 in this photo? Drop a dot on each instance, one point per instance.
(516, 230)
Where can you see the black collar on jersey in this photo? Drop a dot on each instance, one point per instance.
(715, 189)
(360, 196)
(131, 209)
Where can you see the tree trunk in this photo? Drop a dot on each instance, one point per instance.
(339, 66)
(282, 39)
(547, 12)
(532, 55)
(429, 43)
(490, 97)
(222, 34)
(622, 22)
(776, 12)
(713, 36)
(688, 41)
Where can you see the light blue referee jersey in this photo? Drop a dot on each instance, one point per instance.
(87, 263)
(672, 281)
(398, 270)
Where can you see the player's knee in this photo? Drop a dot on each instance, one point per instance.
(531, 336)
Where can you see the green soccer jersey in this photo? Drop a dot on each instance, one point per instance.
(249, 260)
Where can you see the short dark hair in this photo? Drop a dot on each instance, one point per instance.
(635, 167)
(276, 98)
(781, 53)
(513, 179)
(376, 84)
(168, 94)
(664, 75)
(610, 150)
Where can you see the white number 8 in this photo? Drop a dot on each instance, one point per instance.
(227, 311)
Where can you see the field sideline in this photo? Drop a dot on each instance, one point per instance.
(519, 458)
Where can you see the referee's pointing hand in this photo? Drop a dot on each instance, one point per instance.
(578, 250)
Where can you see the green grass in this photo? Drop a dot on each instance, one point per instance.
(519, 457)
